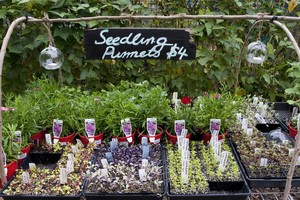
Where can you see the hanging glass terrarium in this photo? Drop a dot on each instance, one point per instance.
(256, 52)
(51, 58)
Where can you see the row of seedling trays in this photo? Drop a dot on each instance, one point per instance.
(118, 170)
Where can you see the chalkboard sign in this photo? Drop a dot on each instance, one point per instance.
(136, 43)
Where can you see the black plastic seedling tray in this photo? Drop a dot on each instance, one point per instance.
(262, 182)
(44, 160)
(128, 196)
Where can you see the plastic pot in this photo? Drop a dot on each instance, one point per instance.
(172, 139)
(293, 132)
(207, 136)
(157, 137)
(97, 139)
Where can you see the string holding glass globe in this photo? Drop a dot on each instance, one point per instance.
(51, 58)
(257, 52)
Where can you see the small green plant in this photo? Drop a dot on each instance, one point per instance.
(216, 106)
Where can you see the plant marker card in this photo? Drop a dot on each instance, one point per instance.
(239, 118)
(18, 137)
(259, 118)
(175, 101)
(127, 129)
(79, 143)
(70, 156)
(48, 139)
(90, 128)
(263, 162)
(215, 125)
(223, 160)
(145, 163)
(179, 142)
(75, 149)
(184, 133)
(245, 125)
(57, 129)
(255, 100)
(63, 176)
(142, 174)
(26, 177)
(152, 128)
(32, 166)
(179, 125)
(104, 163)
(70, 166)
(145, 152)
(185, 171)
(249, 132)
(291, 152)
(144, 141)
(185, 143)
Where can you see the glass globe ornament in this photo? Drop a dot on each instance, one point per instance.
(51, 58)
(256, 52)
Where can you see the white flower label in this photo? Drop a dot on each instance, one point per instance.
(26, 177)
(63, 176)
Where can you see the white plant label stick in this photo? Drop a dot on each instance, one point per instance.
(70, 166)
(184, 132)
(185, 143)
(63, 176)
(223, 160)
(245, 124)
(104, 163)
(48, 139)
(75, 149)
(185, 171)
(255, 100)
(185, 155)
(264, 110)
(295, 111)
(259, 118)
(32, 166)
(145, 163)
(70, 156)
(179, 142)
(239, 118)
(79, 143)
(142, 174)
(26, 177)
(263, 162)
(249, 132)
(257, 150)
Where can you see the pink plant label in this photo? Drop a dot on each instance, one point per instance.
(90, 128)
(57, 129)
(179, 126)
(152, 128)
(215, 125)
(127, 129)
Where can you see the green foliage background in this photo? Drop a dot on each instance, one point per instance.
(218, 46)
